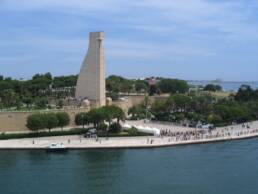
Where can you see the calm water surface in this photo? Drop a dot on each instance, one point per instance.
(230, 167)
(226, 86)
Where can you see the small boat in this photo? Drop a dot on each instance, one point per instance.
(56, 147)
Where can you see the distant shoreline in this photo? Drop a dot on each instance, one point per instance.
(222, 81)
(226, 85)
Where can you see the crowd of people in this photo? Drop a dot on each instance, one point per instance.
(200, 134)
(176, 133)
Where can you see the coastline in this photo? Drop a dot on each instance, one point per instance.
(76, 142)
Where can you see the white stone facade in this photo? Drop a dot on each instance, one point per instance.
(91, 82)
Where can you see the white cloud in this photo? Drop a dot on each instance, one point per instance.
(233, 18)
(148, 30)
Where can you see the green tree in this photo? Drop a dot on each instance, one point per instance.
(119, 114)
(82, 119)
(212, 88)
(97, 116)
(195, 117)
(113, 83)
(113, 112)
(223, 111)
(50, 121)
(41, 82)
(173, 86)
(215, 119)
(65, 81)
(4, 85)
(113, 95)
(60, 103)
(126, 86)
(245, 93)
(35, 122)
(240, 114)
(253, 107)
(63, 119)
(182, 102)
(41, 103)
(153, 90)
(28, 101)
(103, 127)
(141, 86)
(202, 104)
(160, 110)
(109, 113)
(9, 98)
(137, 112)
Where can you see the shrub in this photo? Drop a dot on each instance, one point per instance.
(132, 131)
(115, 128)
(102, 127)
(4, 136)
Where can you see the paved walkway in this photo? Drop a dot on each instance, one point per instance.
(176, 128)
(78, 142)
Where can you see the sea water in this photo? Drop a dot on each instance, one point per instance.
(225, 168)
(226, 86)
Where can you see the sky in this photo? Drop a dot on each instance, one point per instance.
(184, 39)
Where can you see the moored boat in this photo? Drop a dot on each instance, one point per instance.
(56, 147)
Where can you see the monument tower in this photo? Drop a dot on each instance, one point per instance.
(91, 82)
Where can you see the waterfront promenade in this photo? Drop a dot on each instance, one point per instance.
(172, 136)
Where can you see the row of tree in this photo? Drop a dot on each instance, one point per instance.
(205, 108)
(117, 84)
(41, 121)
(212, 88)
(246, 93)
(36, 92)
(97, 117)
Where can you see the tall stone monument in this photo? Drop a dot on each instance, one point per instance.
(91, 82)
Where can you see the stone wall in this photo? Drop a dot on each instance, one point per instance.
(16, 121)
(135, 100)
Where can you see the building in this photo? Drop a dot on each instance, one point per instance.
(91, 82)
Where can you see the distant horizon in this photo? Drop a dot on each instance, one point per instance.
(127, 77)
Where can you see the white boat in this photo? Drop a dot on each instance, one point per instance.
(57, 147)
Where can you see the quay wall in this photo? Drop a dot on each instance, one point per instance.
(15, 121)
